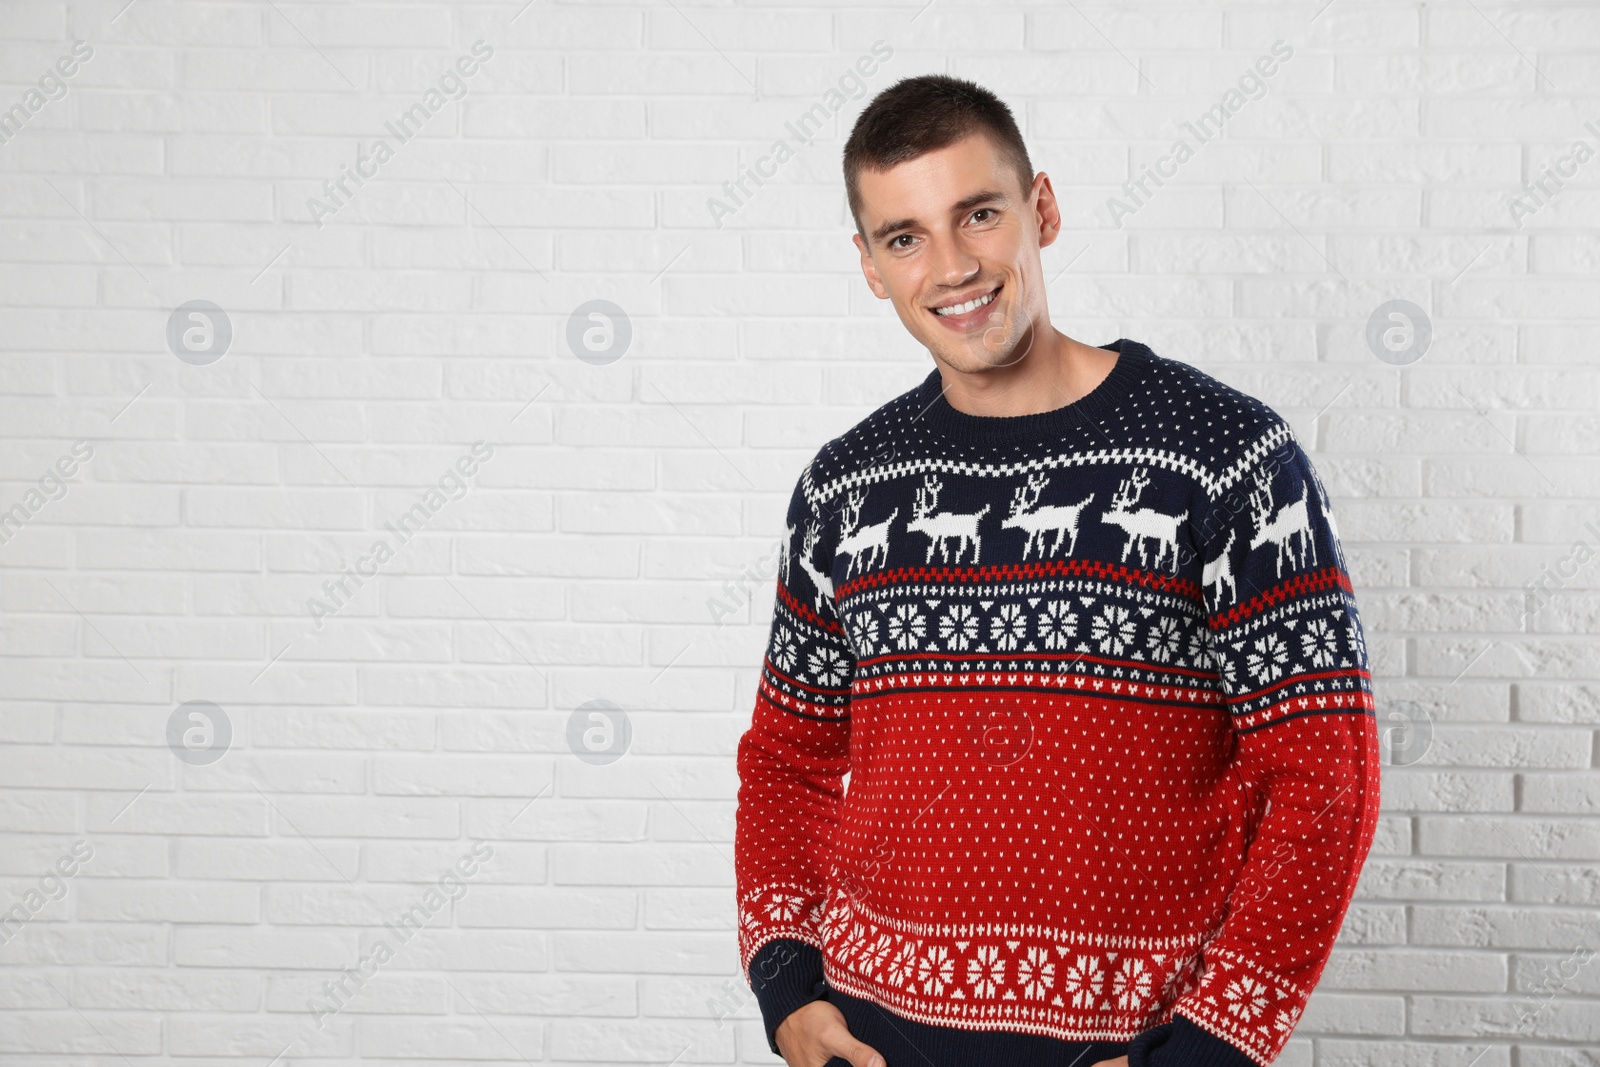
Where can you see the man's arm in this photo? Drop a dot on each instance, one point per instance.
(1288, 645)
(791, 763)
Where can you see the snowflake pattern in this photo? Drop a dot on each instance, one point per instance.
(784, 907)
(1035, 973)
(1057, 625)
(864, 634)
(877, 956)
(1164, 638)
(963, 977)
(986, 971)
(854, 942)
(1224, 666)
(1130, 986)
(903, 968)
(958, 628)
(1245, 998)
(1084, 980)
(907, 626)
(1008, 628)
(1319, 643)
(829, 666)
(1113, 629)
(936, 970)
(1267, 657)
(785, 649)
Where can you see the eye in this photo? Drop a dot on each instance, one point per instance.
(894, 242)
(981, 210)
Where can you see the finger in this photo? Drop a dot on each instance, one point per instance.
(859, 1053)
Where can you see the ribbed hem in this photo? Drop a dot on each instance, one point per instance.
(1076, 418)
(785, 974)
(918, 1044)
(1181, 1042)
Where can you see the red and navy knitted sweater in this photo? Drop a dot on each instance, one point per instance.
(1098, 683)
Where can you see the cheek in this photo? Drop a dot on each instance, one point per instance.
(1017, 290)
(905, 290)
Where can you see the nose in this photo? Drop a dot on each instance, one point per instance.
(950, 263)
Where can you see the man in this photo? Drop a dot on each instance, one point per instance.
(1075, 621)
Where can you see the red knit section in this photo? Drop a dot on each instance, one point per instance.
(803, 610)
(1011, 572)
(799, 700)
(1355, 700)
(1291, 588)
(1085, 683)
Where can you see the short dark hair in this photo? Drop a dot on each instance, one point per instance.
(923, 114)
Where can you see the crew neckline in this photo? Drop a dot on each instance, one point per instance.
(938, 413)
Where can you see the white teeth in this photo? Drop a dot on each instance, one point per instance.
(962, 309)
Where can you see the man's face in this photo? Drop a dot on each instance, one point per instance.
(951, 226)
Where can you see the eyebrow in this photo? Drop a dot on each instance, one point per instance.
(961, 207)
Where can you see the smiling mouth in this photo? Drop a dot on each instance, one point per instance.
(955, 310)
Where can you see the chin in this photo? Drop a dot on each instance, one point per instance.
(970, 362)
(976, 355)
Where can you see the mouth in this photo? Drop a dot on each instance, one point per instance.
(964, 315)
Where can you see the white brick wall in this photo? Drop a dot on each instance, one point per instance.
(432, 710)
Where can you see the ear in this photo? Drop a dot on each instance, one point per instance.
(870, 269)
(1047, 215)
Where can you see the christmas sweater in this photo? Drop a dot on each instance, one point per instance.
(1098, 682)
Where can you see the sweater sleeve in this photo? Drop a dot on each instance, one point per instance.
(791, 764)
(1292, 663)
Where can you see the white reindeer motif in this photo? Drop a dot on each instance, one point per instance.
(1219, 571)
(868, 541)
(783, 563)
(1061, 518)
(1289, 521)
(1327, 507)
(1145, 523)
(822, 582)
(941, 528)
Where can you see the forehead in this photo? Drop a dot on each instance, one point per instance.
(932, 184)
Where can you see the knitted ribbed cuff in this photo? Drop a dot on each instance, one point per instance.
(1184, 1043)
(785, 974)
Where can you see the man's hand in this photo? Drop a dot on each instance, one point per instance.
(813, 1034)
(1120, 1061)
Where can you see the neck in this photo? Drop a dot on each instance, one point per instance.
(1056, 371)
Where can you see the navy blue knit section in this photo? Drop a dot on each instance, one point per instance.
(787, 974)
(1147, 403)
